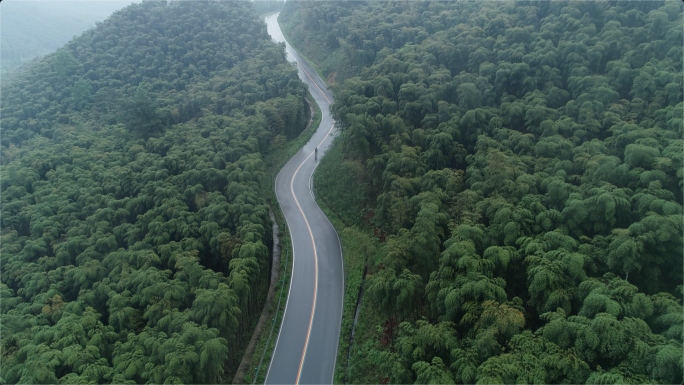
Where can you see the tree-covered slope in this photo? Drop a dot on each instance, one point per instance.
(523, 163)
(135, 239)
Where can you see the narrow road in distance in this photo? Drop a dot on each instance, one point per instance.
(306, 348)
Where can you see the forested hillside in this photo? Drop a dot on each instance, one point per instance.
(135, 237)
(521, 170)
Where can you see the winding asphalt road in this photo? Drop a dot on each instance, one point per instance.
(306, 348)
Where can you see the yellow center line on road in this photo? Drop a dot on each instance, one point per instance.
(313, 243)
(307, 74)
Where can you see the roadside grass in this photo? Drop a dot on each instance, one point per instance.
(287, 30)
(285, 273)
(343, 186)
(364, 360)
(345, 207)
(274, 163)
(356, 246)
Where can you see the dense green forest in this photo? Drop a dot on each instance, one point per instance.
(135, 236)
(37, 28)
(518, 166)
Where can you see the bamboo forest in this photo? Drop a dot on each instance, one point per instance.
(134, 233)
(506, 179)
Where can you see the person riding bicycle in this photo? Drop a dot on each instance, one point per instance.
(316, 154)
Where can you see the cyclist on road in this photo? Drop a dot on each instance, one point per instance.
(316, 154)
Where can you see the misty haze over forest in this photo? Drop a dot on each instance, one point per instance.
(33, 28)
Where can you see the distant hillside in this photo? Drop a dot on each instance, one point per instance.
(37, 28)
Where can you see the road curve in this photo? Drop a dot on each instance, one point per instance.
(306, 348)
